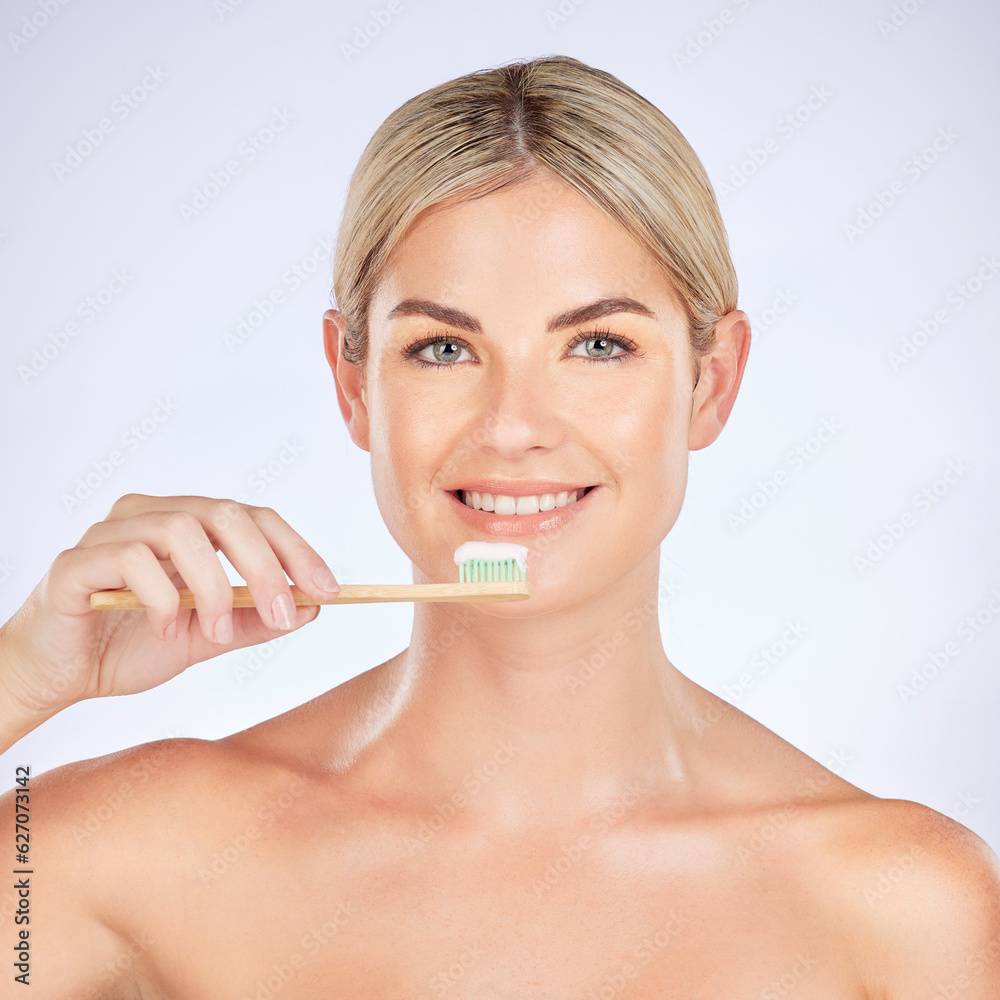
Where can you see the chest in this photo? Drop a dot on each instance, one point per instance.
(492, 922)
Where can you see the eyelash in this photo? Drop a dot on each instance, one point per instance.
(630, 349)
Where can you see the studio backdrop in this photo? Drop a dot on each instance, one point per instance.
(173, 178)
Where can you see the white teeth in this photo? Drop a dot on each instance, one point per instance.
(504, 505)
(500, 504)
(526, 505)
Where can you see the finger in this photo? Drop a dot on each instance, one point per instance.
(138, 503)
(263, 547)
(249, 629)
(307, 569)
(76, 573)
(244, 545)
(180, 535)
(177, 537)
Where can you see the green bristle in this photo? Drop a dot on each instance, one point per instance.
(484, 570)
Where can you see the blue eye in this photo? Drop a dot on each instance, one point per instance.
(443, 352)
(603, 345)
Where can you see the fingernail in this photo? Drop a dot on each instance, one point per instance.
(224, 629)
(282, 613)
(170, 632)
(325, 580)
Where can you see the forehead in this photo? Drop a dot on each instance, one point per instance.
(535, 241)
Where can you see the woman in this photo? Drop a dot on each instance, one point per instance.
(535, 299)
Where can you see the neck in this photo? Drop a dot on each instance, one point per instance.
(580, 703)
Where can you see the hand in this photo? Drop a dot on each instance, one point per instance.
(56, 650)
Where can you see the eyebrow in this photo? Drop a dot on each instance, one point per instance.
(572, 317)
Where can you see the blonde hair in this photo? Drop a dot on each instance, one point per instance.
(480, 132)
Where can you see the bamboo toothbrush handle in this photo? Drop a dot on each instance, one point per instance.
(515, 590)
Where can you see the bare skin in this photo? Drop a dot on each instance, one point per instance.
(487, 814)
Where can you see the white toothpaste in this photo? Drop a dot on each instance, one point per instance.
(492, 552)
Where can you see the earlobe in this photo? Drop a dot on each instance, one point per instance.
(348, 378)
(721, 374)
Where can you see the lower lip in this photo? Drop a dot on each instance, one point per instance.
(518, 525)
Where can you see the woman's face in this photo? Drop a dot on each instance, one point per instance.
(523, 345)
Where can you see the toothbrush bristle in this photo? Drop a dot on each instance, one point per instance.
(488, 570)
(483, 562)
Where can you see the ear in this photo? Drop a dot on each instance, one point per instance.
(721, 374)
(349, 378)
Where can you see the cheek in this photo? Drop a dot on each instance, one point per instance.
(408, 440)
(642, 430)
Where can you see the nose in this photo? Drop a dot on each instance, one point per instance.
(520, 410)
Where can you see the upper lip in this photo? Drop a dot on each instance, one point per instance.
(520, 487)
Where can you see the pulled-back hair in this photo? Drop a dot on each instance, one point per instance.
(480, 132)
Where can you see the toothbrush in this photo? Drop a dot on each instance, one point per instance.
(487, 571)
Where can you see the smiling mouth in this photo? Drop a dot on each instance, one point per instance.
(499, 503)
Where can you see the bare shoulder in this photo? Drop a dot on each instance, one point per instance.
(108, 802)
(154, 812)
(893, 848)
(130, 772)
(920, 895)
(105, 833)
(177, 794)
(911, 894)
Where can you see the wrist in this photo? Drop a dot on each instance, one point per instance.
(19, 713)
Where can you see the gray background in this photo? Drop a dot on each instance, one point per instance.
(885, 80)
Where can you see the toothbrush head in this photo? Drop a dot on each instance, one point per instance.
(480, 562)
